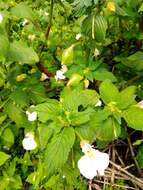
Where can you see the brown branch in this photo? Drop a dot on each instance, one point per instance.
(39, 65)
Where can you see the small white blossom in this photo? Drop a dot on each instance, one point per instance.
(1, 18)
(140, 104)
(78, 36)
(98, 104)
(59, 75)
(32, 116)
(64, 68)
(93, 163)
(29, 142)
(96, 52)
(46, 13)
(24, 22)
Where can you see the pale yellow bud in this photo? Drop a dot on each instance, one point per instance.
(20, 77)
(111, 6)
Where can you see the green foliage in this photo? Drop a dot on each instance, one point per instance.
(101, 46)
(58, 149)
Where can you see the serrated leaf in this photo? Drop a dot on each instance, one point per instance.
(107, 130)
(108, 92)
(126, 97)
(21, 53)
(3, 157)
(15, 113)
(45, 132)
(49, 110)
(134, 117)
(103, 74)
(71, 99)
(58, 150)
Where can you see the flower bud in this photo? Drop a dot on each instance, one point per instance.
(111, 6)
(21, 77)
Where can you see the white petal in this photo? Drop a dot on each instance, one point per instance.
(78, 36)
(85, 165)
(1, 18)
(86, 147)
(29, 143)
(31, 116)
(99, 103)
(93, 163)
(59, 75)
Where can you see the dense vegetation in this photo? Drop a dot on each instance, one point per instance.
(70, 70)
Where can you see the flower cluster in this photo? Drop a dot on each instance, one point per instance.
(93, 163)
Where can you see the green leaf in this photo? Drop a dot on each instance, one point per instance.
(72, 99)
(21, 53)
(140, 157)
(2, 118)
(3, 157)
(8, 136)
(141, 8)
(126, 97)
(134, 61)
(15, 113)
(103, 74)
(58, 150)
(4, 45)
(78, 118)
(99, 27)
(107, 130)
(108, 92)
(68, 55)
(21, 10)
(45, 132)
(134, 117)
(49, 110)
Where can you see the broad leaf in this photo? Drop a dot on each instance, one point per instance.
(134, 117)
(103, 74)
(49, 110)
(58, 150)
(15, 113)
(108, 92)
(126, 97)
(21, 10)
(3, 157)
(21, 53)
(99, 27)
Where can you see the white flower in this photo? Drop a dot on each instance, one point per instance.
(93, 163)
(59, 75)
(1, 18)
(46, 13)
(140, 104)
(32, 116)
(78, 36)
(64, 68)
(98, 104)
(96, 52)
(24, 22)
(28, 142)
